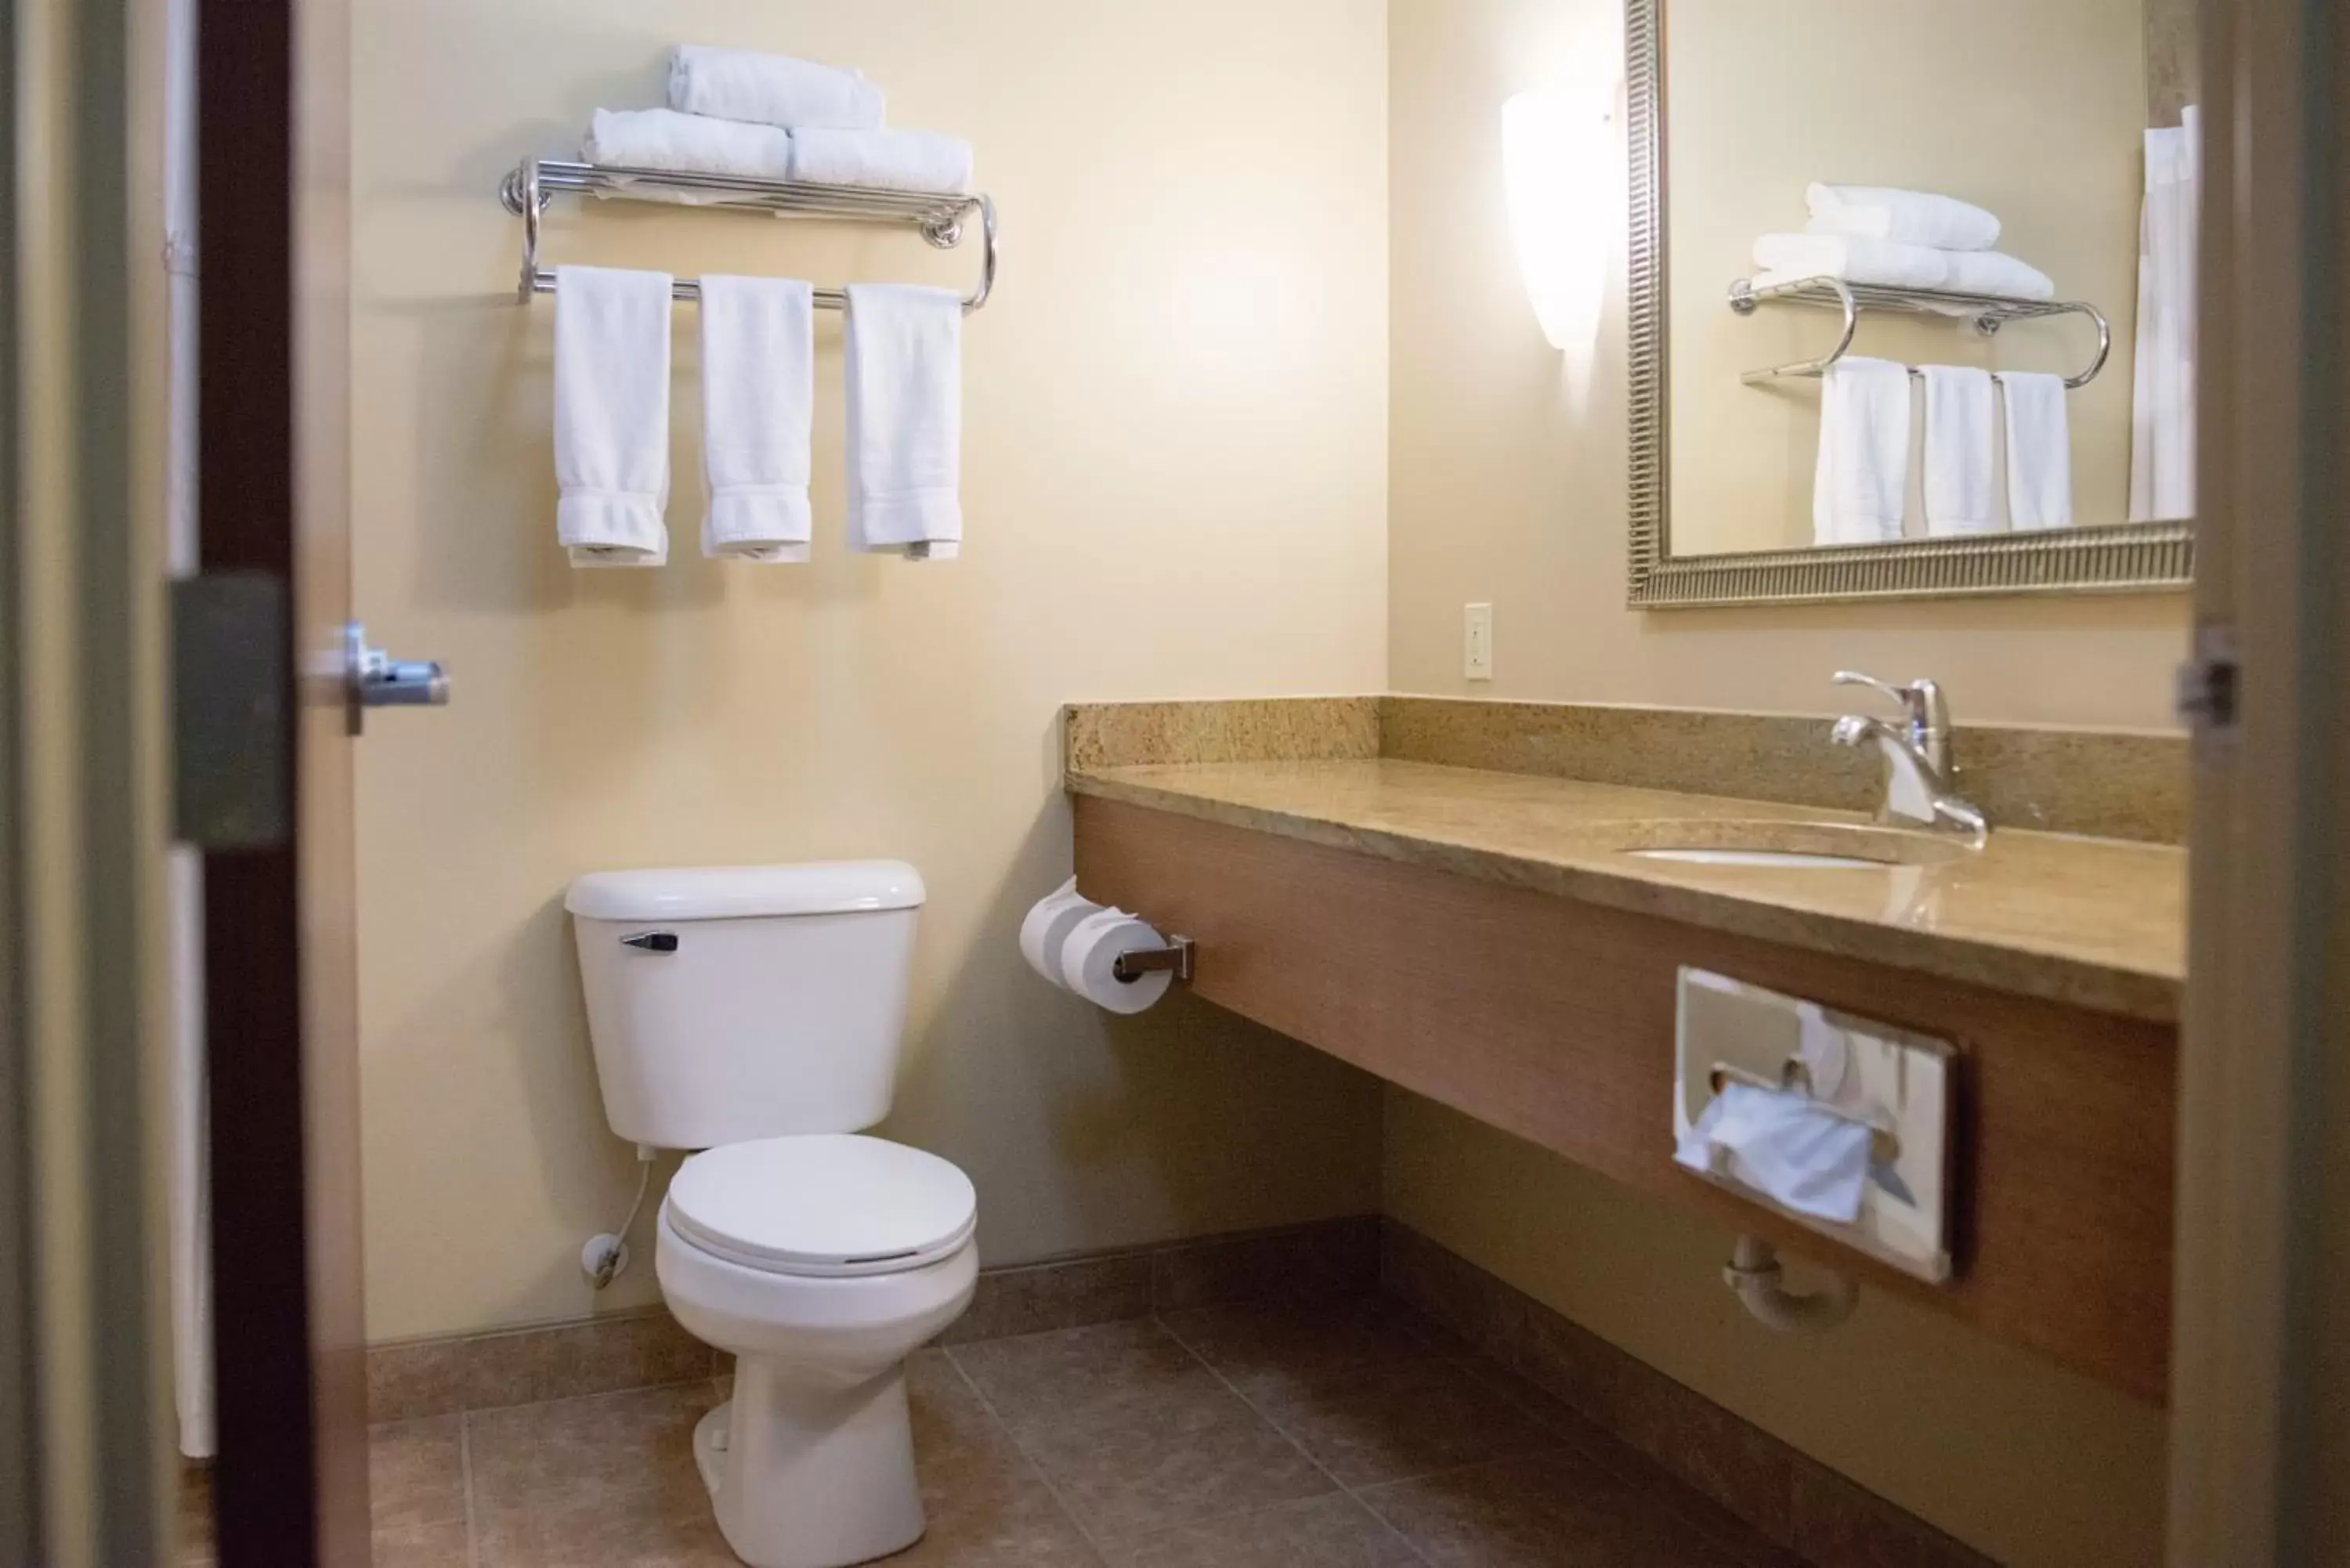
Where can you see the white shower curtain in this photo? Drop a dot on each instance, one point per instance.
(190, 1182)
(2162, 402)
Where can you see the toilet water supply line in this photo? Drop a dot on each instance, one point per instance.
(605, 1256)
(1754, 1272)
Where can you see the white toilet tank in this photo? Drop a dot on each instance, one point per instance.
(734, 1003)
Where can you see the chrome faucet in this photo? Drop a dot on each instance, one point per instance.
(1917, 757)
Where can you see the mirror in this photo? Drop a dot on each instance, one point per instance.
(1912, 297)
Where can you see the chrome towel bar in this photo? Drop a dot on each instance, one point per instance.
(942, 220)
(1988, 312)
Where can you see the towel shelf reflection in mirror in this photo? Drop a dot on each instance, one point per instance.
(1988, 313)
(943, 219)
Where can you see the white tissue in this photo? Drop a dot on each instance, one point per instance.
(1094, 947)
(1047, 929)
(1797, 1153)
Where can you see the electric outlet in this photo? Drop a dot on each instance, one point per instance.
(1477, 641)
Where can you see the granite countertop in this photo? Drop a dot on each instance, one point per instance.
(2091, 923)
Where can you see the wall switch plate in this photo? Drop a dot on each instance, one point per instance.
(1477, 641)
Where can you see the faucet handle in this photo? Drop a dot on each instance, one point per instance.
(1921, 701)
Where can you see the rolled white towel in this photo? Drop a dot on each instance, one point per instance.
(1992, 272)
(772, 89)
(891, 160)
(1906, 217)
(1788, 258)
(664, 138)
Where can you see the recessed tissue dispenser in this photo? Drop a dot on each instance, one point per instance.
(1838, 1122)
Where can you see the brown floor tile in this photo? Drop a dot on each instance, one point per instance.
(442, 1545)
(1128, 1468)
(416, 1472)
(1552, 1511)
(986, 1505)
(1277, 1351)
(624, 1533)
(1415, 1418)
(191, 1513)
(1332, 1532)
(546, 1477)
(1052, 1377)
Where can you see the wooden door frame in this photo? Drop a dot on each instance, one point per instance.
(2258, 1383)
(290, 1482)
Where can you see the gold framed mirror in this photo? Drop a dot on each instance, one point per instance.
(1724, 493)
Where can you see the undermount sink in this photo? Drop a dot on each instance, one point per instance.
(1791, 845)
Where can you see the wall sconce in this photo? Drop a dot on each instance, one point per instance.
(1562, 168)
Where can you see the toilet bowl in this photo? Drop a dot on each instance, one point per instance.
(821, 1261)
(756, 1013)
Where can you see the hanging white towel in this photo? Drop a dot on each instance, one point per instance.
(611, 415)
(1910, 217)
(758, 398)
(2162, 390)
(1958, 424)
(664, 138)
(891, 160)
(2039, 451)
(1864, 465)
(771, 89)
(1788, 258)
(903, 345)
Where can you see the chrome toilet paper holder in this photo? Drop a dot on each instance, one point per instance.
(1135, 962)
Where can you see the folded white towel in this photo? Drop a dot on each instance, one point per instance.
(1910, 217)
(771, 89)
(758, 398)
(1864, 465)
(2039, 451)
(1958, 422)
(904, 347)
(611, 415)
(1990, 272)
(664, 138)
(892, 159)
(1787, 258)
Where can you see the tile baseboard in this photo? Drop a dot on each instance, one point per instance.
(645, 1348)
(1801, 1505)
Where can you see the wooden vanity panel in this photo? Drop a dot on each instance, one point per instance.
(1554, 1020)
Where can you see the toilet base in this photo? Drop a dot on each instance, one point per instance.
(808, 1473)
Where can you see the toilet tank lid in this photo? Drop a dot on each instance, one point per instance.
(744, 892)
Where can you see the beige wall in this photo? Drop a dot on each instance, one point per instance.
(1506, 482)
(1506, 485)
(1891, 92)
(1175, 484)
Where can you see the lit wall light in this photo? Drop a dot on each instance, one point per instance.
(1560, 165)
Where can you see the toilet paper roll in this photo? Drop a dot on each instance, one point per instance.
(1048, 926)
(1094, 947)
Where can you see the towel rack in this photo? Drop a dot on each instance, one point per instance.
(943, 219)
(1989, 313)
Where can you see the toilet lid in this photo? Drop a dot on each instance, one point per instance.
(826, 1204)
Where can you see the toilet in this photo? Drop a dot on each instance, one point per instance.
(755, 1014)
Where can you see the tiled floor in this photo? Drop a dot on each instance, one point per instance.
(1335, 1435)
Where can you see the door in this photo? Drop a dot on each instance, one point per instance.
(2260, 1404)
(271, 665)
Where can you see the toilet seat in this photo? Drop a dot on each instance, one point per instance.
(824, 1206)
